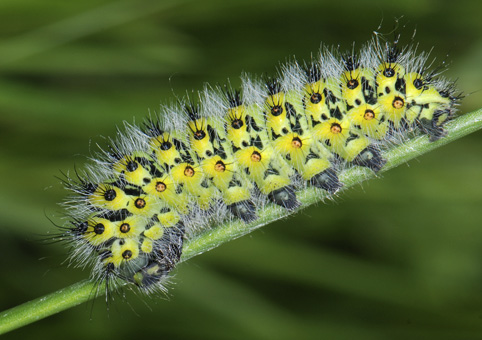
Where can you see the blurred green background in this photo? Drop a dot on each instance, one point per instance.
(397, 258)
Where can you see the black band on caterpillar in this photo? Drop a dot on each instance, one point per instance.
(233, 152)
(152, 269)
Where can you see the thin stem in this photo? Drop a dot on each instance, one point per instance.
(86, 290)
(50, 304)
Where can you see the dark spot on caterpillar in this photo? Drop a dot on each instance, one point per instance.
(329, 97)
(315, 98)
(256, 156)
(209, 153)
(131, 166)
(189, 171)
(164, 210)
(116, 215)
(199, 134)
(127, 254)
(80, 228)
(212, 133)
(369, 114)
(296, 143)
(335, 128)
(418, 84)
(271, 171)
(389, 72)
(99, 228)
(235, 183)
(251, 123)
(352, 84)
(205, 183)
(110, 195)
(387, 90)
(398, 103)
(140, 203)
(358, 102)
(166, 145)
(237, 123)
(183, 149)
(368, 92)
(284, 131)
(351, 137)
(219, 166)
(336, 113)
(146, 180)
(275, 135)
(400, 85)
(220, 152)
(257, 142)
(276, 110)
(133, 191)
(312, 155)
(314, 122)
(290, 110)
(124, 228)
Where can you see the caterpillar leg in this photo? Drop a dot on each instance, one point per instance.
(285, 197)
(371, 158)
(326, 180)
(244, 210)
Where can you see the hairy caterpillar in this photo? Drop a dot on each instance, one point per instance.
(231, 152)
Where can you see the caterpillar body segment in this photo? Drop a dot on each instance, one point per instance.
(214, 152)
(292, 137)
(331, 122)
(254, 151)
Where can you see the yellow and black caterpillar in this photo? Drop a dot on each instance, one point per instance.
(231, 152)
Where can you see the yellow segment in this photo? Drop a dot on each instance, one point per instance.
(99, 230)
(368, 119)
(155, 232)
(132, 171)
(109, 197)
(123, 251)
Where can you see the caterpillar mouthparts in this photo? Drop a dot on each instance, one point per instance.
(230, 153)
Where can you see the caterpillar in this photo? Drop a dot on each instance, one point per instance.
(227, 153)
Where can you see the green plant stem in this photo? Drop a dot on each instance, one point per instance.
(85, 290)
